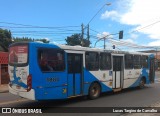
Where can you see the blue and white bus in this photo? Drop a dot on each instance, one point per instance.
(40, 71)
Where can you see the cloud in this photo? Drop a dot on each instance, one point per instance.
(129, 41)
(104, 34)
(141, 14)
(134, 36)
(110, 14)
(154, 43)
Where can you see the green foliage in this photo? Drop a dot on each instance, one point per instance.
(26, 39)
(5, 39)
(43, 40)
(19, 39)
(86, 43)
(75, 39)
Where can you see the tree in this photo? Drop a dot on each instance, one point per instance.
(43, 40)
(86, 43)
(19, 39)
(75, 39)
(5, 39)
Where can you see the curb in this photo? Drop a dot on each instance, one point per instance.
(5, 91)
(4, 88)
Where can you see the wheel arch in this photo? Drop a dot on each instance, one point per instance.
(143, 78)
(97, 83)
(90, 95)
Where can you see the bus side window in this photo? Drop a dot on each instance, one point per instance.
(105, 61)
(43, 61)
(137, 62)
(51, 60)
(92, 61)
(128, 61)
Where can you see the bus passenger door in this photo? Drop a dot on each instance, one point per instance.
(75, 68)
(117, 72)
(152, 70)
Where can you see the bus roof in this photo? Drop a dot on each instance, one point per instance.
(80, 48)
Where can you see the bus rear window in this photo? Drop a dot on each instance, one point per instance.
(18, 55)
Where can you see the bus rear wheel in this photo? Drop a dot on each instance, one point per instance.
(94, 91)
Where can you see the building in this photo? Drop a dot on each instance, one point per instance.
(4, 79)
(158, 55)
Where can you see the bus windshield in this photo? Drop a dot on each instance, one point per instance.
(18, 55)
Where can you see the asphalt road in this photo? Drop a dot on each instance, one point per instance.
(126, 98)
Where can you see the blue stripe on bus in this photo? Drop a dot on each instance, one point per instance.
(57, 92)
(91, 78)
(17, 80)
(143, 74)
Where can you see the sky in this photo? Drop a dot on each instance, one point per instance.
(57, 19)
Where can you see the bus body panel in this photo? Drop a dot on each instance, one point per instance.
(19, 70)
(62, 84)
(97, 76)
(47, 85)
(143, 74)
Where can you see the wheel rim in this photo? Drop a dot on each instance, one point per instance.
(95, 91)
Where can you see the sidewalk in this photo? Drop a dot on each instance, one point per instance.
(3, 88)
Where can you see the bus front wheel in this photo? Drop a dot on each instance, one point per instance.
(142, 83)
(94, 91)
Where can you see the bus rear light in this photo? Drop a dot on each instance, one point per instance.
(29, 82)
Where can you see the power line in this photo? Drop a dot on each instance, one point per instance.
(44, 32)
(33, 26)
(146, 26)
(23, 31)
(123, 43)
(94, 30)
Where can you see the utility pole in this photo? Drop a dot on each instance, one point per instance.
(82, 36)
(88, 37)
(104, 42)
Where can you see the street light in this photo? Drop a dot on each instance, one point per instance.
(108, 4)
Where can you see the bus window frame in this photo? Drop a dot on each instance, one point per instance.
(96, 69)
(109, 67)
(135, 62)
(54, 71)
(126, 66)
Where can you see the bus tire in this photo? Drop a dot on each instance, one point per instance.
(94, 91)
(142, 83)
